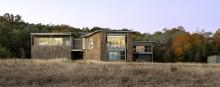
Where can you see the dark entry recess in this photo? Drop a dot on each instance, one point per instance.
(76, 55)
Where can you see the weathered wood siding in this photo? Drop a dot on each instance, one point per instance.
(103, 46)
(51, 51)
(94, 53)
(129, 46)
(47, 52)
(99, 50)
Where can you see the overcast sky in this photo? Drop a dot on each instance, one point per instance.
(140, 15)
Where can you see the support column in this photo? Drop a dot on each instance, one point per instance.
(129, 47)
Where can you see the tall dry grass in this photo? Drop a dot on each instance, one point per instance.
(66, 73)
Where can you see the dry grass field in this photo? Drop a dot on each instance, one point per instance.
(66, 73)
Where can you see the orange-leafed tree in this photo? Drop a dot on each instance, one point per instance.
(181, 45)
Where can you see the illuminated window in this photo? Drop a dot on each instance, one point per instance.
(47, 41)
(116, 41)
(57, 41)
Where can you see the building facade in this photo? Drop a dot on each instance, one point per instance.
(102, 45)
(51, 45)
(108, 46)
(143, 50)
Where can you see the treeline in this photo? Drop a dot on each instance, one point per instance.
(178, 45)
(173, 45)
(15, 35)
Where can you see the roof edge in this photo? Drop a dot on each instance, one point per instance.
(113, 31)
(145, 41)
(65, 33)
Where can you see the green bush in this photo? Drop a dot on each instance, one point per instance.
(4, 52)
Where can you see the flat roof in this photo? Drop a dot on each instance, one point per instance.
(77, 50)
(66, 33)
(144, 41)
(110, 31)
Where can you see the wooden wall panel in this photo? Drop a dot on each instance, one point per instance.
(47, 52)
(94, 53)
(129, 47)
(103, 46)
(99, 51)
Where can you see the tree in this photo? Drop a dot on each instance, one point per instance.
(163, 51)
(62, 28)
(137, 36)
(17, 18)
(200, 50)
(181, 45)
(216, 42)
(4, 52)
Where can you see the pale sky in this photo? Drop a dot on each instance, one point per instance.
(140, 15)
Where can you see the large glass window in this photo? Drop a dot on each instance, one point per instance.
(116, 55)
(116, 41)
(47, 41)
(116, 44)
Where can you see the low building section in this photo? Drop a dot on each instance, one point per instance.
(51, 45)
(143, 50)
(213, 59)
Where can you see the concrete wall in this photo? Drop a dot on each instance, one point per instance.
(213, 59)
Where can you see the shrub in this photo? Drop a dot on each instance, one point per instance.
(4, 52)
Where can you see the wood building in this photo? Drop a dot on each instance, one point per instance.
(103, 45)
(108, 45)
(143, 50)
(51, 45)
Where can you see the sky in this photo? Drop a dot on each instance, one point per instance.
(139, 15)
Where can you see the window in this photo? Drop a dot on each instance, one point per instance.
(57, 41)
(143, 49)
(116, 46)
(148, 49)
(44, 41)
(83, 43)
(140, 49)
(90, 43)
(116, 41)
(48, 41)
(116, 55)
